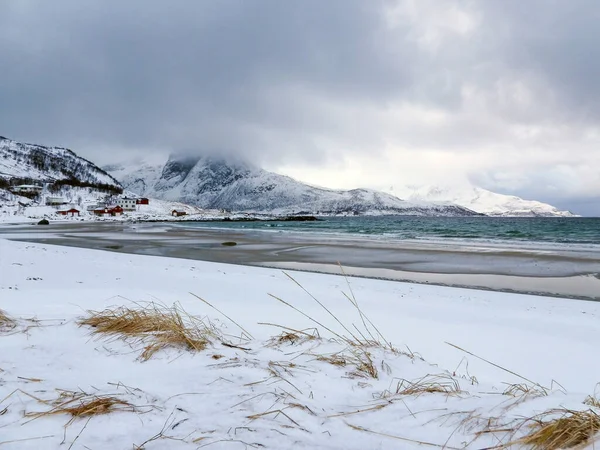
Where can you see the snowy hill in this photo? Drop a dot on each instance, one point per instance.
(215, 183)
(483, 201)
(40, 164)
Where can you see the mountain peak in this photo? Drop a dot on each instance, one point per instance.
(222, 182)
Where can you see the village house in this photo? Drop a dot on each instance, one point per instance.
(142, 201)
(27, 189)
(176, 213)
(100, 211)
(115, 210)
(66, 212)
(128, 204)
(55, 201)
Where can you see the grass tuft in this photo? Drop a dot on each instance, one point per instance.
(570, 429)
(524, 390)
(153, 326)
(82, 405)
(6, 322)
(429, 384)
(592, 401)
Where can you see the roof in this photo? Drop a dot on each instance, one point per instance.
(29, 186)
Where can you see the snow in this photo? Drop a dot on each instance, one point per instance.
(46, 164)
(209, 182)
(191, 400)
(17, 209)
(481, 200)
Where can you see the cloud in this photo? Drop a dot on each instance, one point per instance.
(340, 93)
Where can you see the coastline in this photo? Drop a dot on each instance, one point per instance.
(565, 272)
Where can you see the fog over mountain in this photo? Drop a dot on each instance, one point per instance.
(502, 94)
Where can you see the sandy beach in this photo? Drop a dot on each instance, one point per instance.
(565, 272)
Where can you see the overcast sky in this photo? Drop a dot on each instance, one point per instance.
(339, 93)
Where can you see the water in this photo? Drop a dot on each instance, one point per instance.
(474, 229)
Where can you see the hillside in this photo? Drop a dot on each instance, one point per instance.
(215, 183)
(37, 164)
(483, 201)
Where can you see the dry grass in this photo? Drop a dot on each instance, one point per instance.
(82, 405)
(359, 339)
(429, 384)
(155, 327)
(592, 401)
(560, 429)
(6, 322)
(291, 336)
(524, 390)
(335, 359)
(360, 359)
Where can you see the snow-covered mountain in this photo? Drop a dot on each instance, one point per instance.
(482, 201)
(29, 163)
(212, 182)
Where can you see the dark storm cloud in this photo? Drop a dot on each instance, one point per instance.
(309, 81)
(190, 74)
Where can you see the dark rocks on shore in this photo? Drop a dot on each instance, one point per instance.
(271, 219)
(43, 222)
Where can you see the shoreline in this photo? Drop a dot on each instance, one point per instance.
(567, 273)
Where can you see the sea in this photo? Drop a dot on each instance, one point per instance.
(515, 230)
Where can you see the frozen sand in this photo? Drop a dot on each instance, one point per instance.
(192, 396)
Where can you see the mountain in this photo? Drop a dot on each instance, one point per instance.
(29, 163)
(216, 183)
(483, 201)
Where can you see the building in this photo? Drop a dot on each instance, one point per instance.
(101, 211)
(66, 212)
(176, 213)
(55, 201)
(27, 189)
(115, 210)
(128, 204)
(142, 201)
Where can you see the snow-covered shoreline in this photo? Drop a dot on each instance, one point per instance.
(278, 396)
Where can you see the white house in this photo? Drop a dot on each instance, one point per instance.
(27, 189)
(128, 204)
(55, 201)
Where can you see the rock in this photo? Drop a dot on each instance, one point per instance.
(43, 222)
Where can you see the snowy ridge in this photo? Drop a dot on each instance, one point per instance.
(48, 164)
(215, 183)
(483, 201)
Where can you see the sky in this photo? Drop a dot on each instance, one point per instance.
(503, 94)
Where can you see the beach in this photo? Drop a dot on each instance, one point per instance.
(292, 359)
(564, 271)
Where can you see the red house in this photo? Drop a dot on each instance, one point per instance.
(176, 213)
(142, 201)
(66, 212)
(115, 210)
(100, 211)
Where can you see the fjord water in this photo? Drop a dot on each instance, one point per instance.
(479, 229)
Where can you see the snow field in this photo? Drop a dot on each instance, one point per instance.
(278, 390)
